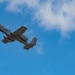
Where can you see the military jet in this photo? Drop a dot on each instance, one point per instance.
(17, 35)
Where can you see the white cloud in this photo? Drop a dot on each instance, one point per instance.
(61, 19)
(1, 1)
(18, 5)
(39, 48)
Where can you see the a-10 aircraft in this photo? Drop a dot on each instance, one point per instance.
(17, 35)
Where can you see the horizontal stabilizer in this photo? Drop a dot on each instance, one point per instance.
(33, 43)
(20, 31)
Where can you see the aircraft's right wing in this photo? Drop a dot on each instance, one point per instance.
(20, 31)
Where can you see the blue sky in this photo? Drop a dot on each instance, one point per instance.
(53, 23)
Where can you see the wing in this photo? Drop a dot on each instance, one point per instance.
(20, 31)
(6, 40)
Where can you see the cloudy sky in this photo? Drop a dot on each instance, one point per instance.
(53, 23)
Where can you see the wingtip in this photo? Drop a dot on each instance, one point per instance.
(24, 27)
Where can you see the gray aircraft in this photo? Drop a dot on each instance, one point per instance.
(17, 35)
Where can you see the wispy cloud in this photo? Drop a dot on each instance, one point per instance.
(62, 19)
(39, 48)
(18, 5)
(1, 1)
(58, 15)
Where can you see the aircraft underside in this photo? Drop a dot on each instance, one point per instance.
(17, 35)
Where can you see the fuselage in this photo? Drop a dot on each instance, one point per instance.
(11, 36)
(17, 35)
(4, 30)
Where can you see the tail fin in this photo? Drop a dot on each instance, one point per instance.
(34, 40)
(31, 44)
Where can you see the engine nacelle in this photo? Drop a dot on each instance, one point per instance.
(24, 38)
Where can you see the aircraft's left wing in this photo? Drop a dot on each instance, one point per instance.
(20, 31)
(6, 40)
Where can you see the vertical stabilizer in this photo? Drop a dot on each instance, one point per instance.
(33, 42)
